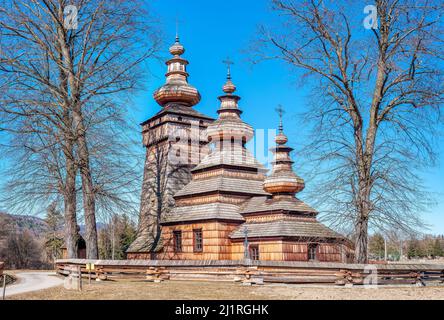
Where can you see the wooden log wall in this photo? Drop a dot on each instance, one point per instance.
(258, 271)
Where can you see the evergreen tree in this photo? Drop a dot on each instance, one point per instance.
(54, 238)
(116, 237)
(128, 234)
(437, 250)
(414, 249)
(376, 245)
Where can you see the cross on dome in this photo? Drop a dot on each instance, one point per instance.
(280, 112)
(228, 62)
(228, 87)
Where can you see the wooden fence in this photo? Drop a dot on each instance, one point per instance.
(258, 272)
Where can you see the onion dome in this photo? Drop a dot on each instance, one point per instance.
(229, 125)
(282, 179)
(177, 89)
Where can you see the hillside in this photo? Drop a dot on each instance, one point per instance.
(37, 226)
(9, 222)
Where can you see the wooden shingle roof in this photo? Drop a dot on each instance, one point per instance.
(179, 110)
(263, 204)
(238, 157)
(285, 228)
(224, 184)
(225, 211)
(144, 243)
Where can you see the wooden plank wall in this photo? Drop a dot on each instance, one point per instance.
(217, 246)
(216, 243)
(279, 250)
(268, 250)
(294, 251)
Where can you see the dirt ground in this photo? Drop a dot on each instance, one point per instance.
(187, 290)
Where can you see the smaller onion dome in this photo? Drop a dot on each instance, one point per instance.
(177, 49)
(281, 139)
(229, 87)
(282, 179)
(229, 125)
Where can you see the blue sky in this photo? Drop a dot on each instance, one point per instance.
(213, 30)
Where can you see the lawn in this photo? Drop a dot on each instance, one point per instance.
(192, 290)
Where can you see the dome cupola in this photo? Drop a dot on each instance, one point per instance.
(282, 180)
(177, 89)
(229, 125)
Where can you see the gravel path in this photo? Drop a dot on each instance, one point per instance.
(33, 281)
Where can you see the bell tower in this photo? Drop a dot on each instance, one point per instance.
(175, 140)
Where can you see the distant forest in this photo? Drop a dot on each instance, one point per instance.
(29, 242)
(425, 246)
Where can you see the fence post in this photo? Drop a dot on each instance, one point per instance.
(4, 286)
(79, 270)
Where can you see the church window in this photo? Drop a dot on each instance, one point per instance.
(197, 240)
(254, 252)
(177, 239)
(312, 252)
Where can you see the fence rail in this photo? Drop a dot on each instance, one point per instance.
(258, 272)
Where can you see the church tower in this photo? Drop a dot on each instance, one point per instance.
(208, 208)
(175, 142)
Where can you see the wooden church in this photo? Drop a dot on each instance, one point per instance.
(222, 205)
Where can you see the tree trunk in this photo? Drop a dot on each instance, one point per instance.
(361, 241)
(89, 201)
(81, 141)
(70, 209)
(361, 225)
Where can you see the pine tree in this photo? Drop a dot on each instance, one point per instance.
(376, 245)
(116, 237)
(128, 234)
(54, 240)
(437, 250)
(414, 249)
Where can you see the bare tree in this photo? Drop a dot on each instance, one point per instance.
(22, 250)
(72, 79)
(375, 108)
(162, 177)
